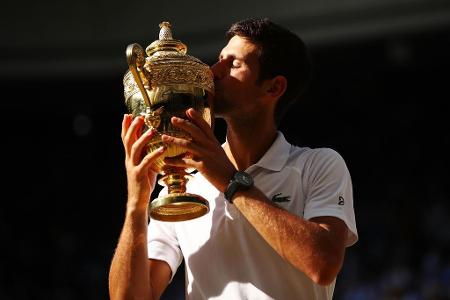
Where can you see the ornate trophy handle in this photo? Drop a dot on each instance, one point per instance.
(136, 61)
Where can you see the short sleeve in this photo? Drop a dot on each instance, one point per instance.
(163, 244)
(329, 191)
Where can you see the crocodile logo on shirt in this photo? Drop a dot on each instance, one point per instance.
(279, 198)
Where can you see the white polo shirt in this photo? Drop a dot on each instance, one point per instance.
(226, 258)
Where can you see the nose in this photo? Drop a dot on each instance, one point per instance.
(217, 70)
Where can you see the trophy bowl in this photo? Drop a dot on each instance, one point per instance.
(162, 84)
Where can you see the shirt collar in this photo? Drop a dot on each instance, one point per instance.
(276, 156)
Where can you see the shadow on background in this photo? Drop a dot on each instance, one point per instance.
(383, 104)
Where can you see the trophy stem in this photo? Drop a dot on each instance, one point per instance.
(177, 205)
(176, 182)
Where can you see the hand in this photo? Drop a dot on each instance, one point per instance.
(204, 151)
(141, 179)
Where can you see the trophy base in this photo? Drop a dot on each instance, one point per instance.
(178, 207)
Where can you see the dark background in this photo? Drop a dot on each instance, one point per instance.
(380, 98)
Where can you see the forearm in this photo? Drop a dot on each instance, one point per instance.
(129, 276)
(309, 246)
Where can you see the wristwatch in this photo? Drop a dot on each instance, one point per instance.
(240, 180)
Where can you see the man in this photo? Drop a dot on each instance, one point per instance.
(278, 228)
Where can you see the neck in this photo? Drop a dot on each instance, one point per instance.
(247, 141)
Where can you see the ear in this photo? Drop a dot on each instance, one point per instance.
(276, 86)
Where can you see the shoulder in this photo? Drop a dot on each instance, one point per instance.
(325, 165)
(320, 154)
(311, 158)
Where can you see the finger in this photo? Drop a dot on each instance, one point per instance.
(131, 134)
(125, 125)
(138, 146)
(186, 125)
(183, 162)
(151, 157)
(189, 145)
(198, 120)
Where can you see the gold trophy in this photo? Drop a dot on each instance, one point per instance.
(159, 85)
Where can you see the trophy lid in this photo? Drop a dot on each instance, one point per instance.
(168, 63)
(165, 42)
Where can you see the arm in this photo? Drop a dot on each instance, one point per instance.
(315, 247)
(132, 275)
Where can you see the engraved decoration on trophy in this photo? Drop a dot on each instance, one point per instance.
(163, 81)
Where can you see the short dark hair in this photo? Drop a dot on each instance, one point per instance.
(281, 53)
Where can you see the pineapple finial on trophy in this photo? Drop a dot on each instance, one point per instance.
(165, 32)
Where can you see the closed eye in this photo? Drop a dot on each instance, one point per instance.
(235, 64)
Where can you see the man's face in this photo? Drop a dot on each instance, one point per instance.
(235, 78)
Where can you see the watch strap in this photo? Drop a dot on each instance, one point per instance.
(236, 184)
(231, 190)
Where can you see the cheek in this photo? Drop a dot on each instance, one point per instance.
(239, 73)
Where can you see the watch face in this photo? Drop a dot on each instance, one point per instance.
(244, 178)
